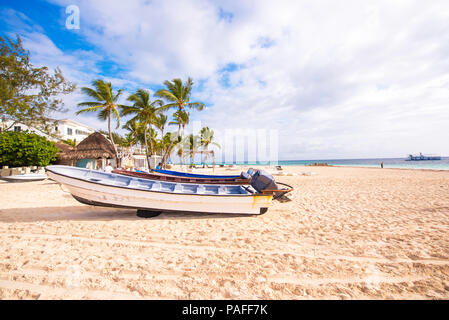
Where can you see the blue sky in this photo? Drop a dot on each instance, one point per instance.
(346, 79)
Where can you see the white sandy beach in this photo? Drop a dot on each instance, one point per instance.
(349, 233)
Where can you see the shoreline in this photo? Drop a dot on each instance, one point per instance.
(413, 169)
(311, 166)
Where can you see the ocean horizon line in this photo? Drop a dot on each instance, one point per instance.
(442, 164)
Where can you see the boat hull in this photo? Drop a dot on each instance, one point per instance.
(25, 177)
(422, 157)
(183, 179)
(113, 196)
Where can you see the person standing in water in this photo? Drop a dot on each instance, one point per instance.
(382, 164)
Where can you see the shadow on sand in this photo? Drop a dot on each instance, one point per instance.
(91, 213)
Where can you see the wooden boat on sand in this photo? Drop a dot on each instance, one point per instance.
(193, 175)
(240, 180)
(145, 195)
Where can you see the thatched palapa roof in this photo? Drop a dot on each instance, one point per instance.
(95, 146)
(63, 147)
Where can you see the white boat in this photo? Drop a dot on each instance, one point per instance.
(25, 177)
(115, 190)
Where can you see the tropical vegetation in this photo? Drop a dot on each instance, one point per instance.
(206, 139)
(178, 95)
(29, 95)
(145, 112)
(26, 149)
(105, 103)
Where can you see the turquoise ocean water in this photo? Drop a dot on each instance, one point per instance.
(442, 164)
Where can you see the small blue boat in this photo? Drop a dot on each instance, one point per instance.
(193, 175)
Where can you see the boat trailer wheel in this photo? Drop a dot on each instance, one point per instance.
(147, 213)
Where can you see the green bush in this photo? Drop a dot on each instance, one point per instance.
(18, 149)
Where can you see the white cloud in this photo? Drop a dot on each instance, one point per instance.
(337, 78)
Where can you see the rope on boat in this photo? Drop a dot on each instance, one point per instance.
(280, 192)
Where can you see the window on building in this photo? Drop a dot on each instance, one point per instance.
(69, 131)
(80, 132)
(17, 128)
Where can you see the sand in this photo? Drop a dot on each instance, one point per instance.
(348, 233)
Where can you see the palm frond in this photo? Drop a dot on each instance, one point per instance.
(89, 104)
(166, 94)
(119, 92)
(104, 89)
(127, 110)
(92, 93)
(117, 116)
(103, 115)
(196, 105)
(90, 109)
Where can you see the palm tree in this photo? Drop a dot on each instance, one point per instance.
(105, 103)
(145, 112)
(169, 142)
(183, 145)
(118, 139)
(128, 140)
(180, 153)
(178, 95)
(152, 137)
(192, 143)
(135, 131)
(160, 122)
(207, 137)
(181, 119)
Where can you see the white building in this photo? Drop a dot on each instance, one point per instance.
(19, 127)
(66, 129)
(69, 129)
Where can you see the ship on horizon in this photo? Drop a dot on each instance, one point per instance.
(420, 157)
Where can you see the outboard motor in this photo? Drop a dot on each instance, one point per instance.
(245, 176)
(261, 180)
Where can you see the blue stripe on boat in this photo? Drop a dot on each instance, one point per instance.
(192, 175)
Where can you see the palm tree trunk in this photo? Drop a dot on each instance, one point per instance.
(164, 158)
(205, 155)
(202, 160)
(110, 137)
(151, 139)
(146, 148)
